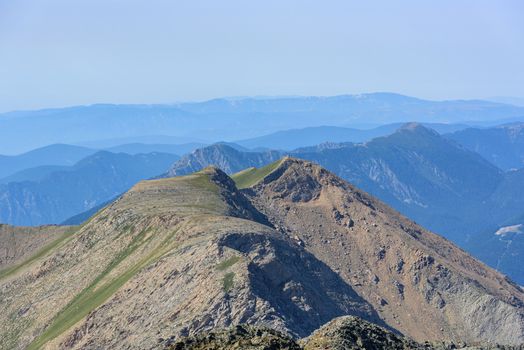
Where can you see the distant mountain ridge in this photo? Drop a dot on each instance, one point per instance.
(57, 154)
(502, 145)
(297, 138)
(234, 119)
(223, 156)
(62, 194)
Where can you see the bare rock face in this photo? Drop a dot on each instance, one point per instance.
(352, 333)
(180, 256)
(419, 283)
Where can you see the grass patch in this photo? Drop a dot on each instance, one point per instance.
(252, 176)
(88, 299)
(224, 265)
(62, 239)
(201, 180)
(227, 281)
(93, 296)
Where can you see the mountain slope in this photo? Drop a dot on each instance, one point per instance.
(62, 194)
(297, 138)
(431, 179)
(502, 145)
(501, 244)
(33, 174)
(416, 280)
(178, 256)
(222, 156)
(425, 176)
(172, 256)
(20, 243)
(58, 155)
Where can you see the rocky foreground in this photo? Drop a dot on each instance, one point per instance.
(288, 247)
(343, 333)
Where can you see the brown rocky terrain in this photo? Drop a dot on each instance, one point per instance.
(19, 243)
(420, 284)
(294, 249)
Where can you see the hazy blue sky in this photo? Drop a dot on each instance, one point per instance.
(65, 52)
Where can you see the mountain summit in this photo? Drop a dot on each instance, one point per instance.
(289, 246)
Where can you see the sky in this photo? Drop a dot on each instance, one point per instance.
(57, 53)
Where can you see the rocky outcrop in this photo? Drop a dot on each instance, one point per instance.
(240, 337)
(343, 333)
(352, 333)
(223, 156)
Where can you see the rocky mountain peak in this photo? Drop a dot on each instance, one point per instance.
(411, 276)
(417, 128)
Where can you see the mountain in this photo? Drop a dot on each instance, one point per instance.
(175, 257)
(516, 101)
(502, 145)
(56, 155)
(378, 108)
(79, 219)
(229, 119)
(427, 177)
(64, 193)
(33, 174)
(181, 141)
(137, 148)
(415, 170)
(501, 244)
(223, 156)
(297, 138)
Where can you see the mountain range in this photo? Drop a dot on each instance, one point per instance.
(502, 145)
(427, 177)
(297, 138)
(289, 246)
(102, 126)
(54, 196)
(52, 155)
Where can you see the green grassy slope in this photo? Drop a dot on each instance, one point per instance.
(251, 176)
